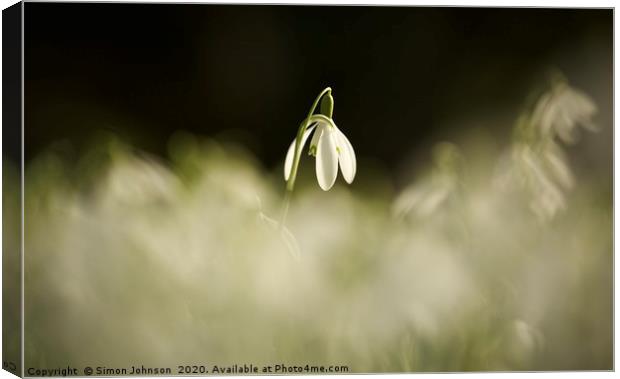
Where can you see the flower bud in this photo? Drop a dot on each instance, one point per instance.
(327, 105)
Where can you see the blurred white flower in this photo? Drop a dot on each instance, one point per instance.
(522, 341)
(425, 196)
(561, 110)
(330, 147)
(138, 180)
(538, 162)
(545, 173)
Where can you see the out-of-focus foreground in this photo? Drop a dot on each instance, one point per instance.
(498, 258)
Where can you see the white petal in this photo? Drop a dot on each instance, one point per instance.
(290, 155)
(346, 157)
(314, 142)
(326, 160)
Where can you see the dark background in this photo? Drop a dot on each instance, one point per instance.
(250, 73)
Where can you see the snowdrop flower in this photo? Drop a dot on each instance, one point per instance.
(538, 162)
(329, 145)
(331, 149)
(562, 109)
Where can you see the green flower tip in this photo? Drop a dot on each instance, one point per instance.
(327, 104)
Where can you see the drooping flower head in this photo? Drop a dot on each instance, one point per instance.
(329, 146)
(561, 110)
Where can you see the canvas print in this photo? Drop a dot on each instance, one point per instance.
(218, 189)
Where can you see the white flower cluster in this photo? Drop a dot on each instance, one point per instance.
(539, 163)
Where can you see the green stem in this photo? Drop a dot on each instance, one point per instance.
(290, 184)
